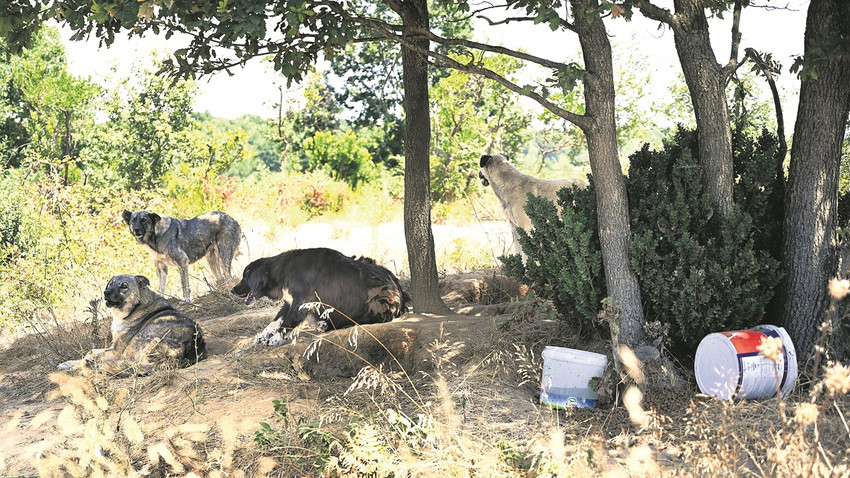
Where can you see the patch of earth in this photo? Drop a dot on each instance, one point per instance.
(488, 355)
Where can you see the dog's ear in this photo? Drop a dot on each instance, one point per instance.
(484, 160)
(143, 281)
(154, 218)
(126, 215)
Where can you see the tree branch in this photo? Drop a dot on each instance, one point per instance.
(736, 42)
(768, 74)
(382, 27)
(654, 12)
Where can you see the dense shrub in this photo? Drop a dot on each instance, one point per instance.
(700, 272)
(341, 156)
(18, 233)
(564, 261)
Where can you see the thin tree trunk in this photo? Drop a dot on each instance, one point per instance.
(811, 202)
(425, 287)
(612, 202)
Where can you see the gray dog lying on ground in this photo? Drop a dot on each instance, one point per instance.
(180, 242)
(147, 332)
(512, 188)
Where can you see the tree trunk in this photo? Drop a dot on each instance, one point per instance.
(811, 201)
(612, 202)
(425, 287)
(707, 86)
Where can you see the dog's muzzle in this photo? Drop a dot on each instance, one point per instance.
(138, 232)
(483, 179)
(248, 296)
(112, 300)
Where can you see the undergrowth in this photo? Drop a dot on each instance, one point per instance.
(437, 422)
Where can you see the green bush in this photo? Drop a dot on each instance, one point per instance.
(700, 272)
(18, 233)
(564, 260)
(342, 156)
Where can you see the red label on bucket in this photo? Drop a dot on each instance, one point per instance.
(746, 342)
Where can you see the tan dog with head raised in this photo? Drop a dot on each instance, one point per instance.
(512, 187)
(147, 332)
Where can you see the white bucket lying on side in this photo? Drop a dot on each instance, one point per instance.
(729, 365)
(566, 377)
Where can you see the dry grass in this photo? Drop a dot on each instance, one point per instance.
(470, 412)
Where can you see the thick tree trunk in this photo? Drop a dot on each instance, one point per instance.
(707, 86)
(811, 201)
(425, 287)
(612, 202)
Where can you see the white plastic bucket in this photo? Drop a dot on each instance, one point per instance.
(729, 365)
(566, 377)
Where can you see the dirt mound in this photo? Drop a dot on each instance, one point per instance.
(240, 388)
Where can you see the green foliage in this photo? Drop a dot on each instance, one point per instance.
(760, 188)
(45, 109)
(18, 231)
(257, 137)
(341, 155)
(564, 263)
(824, 47)
(313, 111)
(146, 134)
(268, 437)
(192, 189)
(73, 241)
(469, 116)
(698, 271)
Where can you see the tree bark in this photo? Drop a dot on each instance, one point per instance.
(612, 202)
(425, 287)
(809, 244)
(706, 82)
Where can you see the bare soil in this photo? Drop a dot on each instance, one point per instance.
(488, 354)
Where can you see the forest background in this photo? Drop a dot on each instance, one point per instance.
(127, 136)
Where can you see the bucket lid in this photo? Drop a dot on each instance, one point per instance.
(716, 366)
(574, 356)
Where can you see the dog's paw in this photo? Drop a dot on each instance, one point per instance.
(276, 340)
(70, 365)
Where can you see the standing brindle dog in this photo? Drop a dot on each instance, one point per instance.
(147, 332)
(180, 242)
(357, 291)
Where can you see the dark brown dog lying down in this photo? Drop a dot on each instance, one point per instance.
(357, 291)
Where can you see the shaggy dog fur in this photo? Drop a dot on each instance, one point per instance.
(180, 242)
(512, 188)
(351, 291)
(147, 332)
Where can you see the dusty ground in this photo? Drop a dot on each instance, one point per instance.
(472, 350)
(482, 364)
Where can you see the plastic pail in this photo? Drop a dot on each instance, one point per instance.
(566, 377)
(728, 364)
